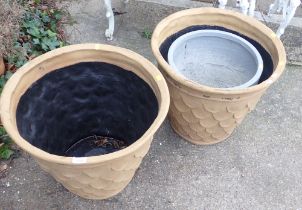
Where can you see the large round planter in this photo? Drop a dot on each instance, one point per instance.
(92, 177)
(205, 115)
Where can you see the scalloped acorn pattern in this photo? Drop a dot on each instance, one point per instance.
(202, 120)
(98, 181)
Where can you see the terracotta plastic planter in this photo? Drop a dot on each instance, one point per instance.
(50, 103)
(205, 115)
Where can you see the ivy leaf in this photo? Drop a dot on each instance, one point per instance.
(36, 53)
(5, 152)
(53, 25)
(28, 24)
(31, 23)
(34, 32)
(51, 43)
(44, 46)
(27, 47)
(36, 41)
(8, 75)
(51, 34)
(45, 18)
(2, 81)
(2, 131)
(43, 32)
(20, 63)
(58, 15)
(62, 44)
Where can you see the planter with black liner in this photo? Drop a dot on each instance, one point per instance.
(87, 113)
(202, 114)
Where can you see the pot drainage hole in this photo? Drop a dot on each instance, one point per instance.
(94, 146)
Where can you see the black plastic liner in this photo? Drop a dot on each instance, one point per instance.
(268, 66)
(86, 99)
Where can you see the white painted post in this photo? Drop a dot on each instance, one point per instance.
(289, 11)
(110, 16)
(222, 4)
(247, 6)
(244, 5)
(125, 2)
(275, 7)
(252, 8)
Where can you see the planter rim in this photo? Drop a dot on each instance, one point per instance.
(252, 22)
(224, 35)
(163, 99)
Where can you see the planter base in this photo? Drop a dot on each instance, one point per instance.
(189, 139)
(97, 182)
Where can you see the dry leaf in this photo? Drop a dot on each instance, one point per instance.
(3, 167)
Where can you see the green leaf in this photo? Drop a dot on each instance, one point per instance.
(2, 81)
(38, 12)
(44, 46)
(58, 15)
(6, 139)
(37, 53)
(51, 34)
(34, 32)
(45, 18)
(2, 131)
(32, 23)
(147, 34)
(62, 44)
(20, 63)
(53, 26)
(43, 32)
(17, 45)
(36, 41)
(52, 43)
(8, 75)
(27, 47)
(27, 24)
(5, 152)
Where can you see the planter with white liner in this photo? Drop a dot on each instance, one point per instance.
(217, 59)
(77, 92)
(201, 114)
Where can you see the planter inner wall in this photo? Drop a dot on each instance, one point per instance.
(85, 99)
(268, 66)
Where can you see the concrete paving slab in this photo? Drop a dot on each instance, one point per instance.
(258, 167)
(145, 15)
(261, 5)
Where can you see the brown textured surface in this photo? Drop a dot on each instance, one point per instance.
(205, 115)
(96, 177)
